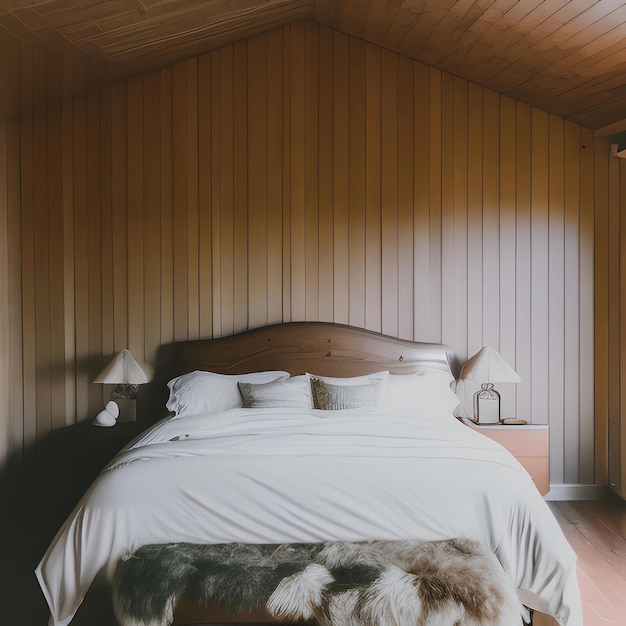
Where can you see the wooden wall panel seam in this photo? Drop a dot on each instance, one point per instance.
(241, 304)
(193, 294)
(507, 245)
(586, 295)
(556, 296)
(523, 323)
(601, 327)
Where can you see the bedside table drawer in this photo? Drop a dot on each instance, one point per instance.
(68, 461)
(528, 443)
(539, 469)
(525, 442)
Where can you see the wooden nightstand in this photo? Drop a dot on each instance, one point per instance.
(68, 461)
(528, 443)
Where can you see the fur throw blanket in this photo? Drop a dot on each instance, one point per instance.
(384, 583)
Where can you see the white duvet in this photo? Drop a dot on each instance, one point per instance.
(289, 475)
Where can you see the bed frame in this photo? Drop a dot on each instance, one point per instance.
(297, 347)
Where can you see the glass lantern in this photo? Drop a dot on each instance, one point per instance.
(487, 405)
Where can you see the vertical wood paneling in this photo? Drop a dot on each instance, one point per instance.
(106, 184)
(152, 216)
(556, 297)
(373, 218)
(421, 203)
(311, 172)
(180, 192)
(507, 247)
(617, 431)
(275, 111)
(223, 159)
(286, 178)
(571, 298)
(305, 174)
(167, 209)
(54, 208)
(435, 204)
(539, 231)
(601, 302)
(389, 192)
(618, 478)
(216, 222)
(610, 298)
(586, 307)
(41, 242)
(523, 257)
(69, 275)
(119, 199)
(614, 377)
(257, 176)
(11, 415)
(205, 237)
(491, 219)
(297, 174)
(5, 328)
(448, 259)
(459, 202)
(356, 190)
(14, 313)
(241, 305)
(136, 216)
(81, 259)
(341, 175)
(474, 221)
(326, 168)
(193, 305)
(406, 142)
(57, 270)
(94, 252)
(617, 423)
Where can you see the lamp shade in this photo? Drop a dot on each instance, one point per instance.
(487, 366)
(123, 370)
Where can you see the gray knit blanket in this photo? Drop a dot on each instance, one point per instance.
(380, 583)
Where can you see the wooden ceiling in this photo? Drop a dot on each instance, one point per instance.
(564, 56)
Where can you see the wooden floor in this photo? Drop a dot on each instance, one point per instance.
(597, 532)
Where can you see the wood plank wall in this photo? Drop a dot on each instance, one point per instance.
(610, 259)
(11, 391)
(308, 175)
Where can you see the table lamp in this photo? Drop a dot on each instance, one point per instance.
(487, 367)
(126, 374)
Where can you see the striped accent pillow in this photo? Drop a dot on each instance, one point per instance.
(331, 397)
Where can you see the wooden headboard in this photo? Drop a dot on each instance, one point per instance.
(297, 347)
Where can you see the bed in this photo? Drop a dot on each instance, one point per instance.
(384, 459)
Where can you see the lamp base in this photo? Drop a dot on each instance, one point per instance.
(128, 410)
(487, 405)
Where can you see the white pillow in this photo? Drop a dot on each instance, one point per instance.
(208, 392)
(379, 379)
(292, 393)
(424, 390)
